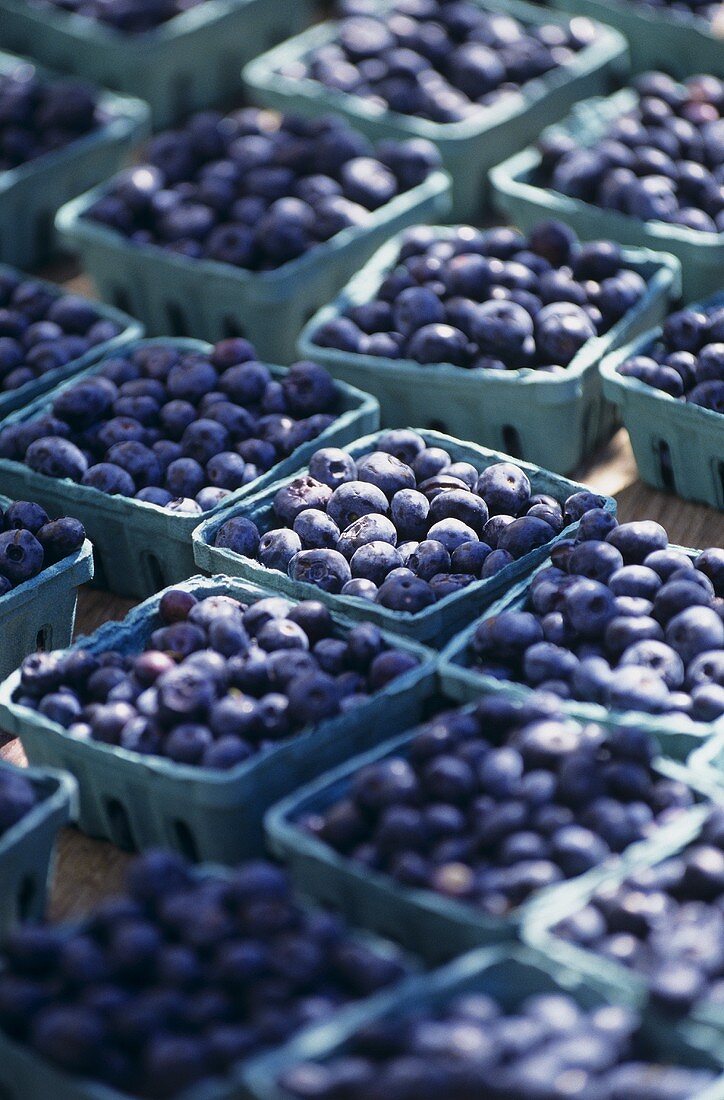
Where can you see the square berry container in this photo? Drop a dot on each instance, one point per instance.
(31, 194)
(130, 330)
(525, 202)
(211, 300)
(434, 625)
(679, 447)
(24, 1074)
(40, 613)
(470, 148)
(435, 927)
(141, 547)
(606, 975)
(462, 682)
(554, 421)
(27, 848)
(676, 41)
(192, 61)
(510, 975)
(139, 801)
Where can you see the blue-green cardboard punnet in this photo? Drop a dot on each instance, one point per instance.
(470, 148)
(678, 446)
(192, 61)
(436, 624)
(31, 194)
(140, 547)
(140, 801)
(555, 420)
(520, 197)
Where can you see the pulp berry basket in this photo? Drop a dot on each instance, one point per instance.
(605, 974)
(552, 420)
(431, 925)
(140, 547)
(24, 1074)
(678, 446)
(211, 300)
(519, 193)
(23, 395)
(31, 194)
(140, 801)
(509, 975)
(189, 62)
(659, 37)
(40, 613)
(26, 849)
(434, 625)
(462, 681)
(470, 148)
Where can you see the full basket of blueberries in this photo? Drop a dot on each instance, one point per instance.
(479, 79)
(152, 438)
(414, 531)
(669, 386)
(176, 55)
(492, 335)
(47, 336)
(497, 1022)
(643, 167)
(245, 224)
(168, 989)
(455, 834)
(207, 704)
(34, 805)
(43, 562)
(679, 36)
(616, 621)
(57, 136)
(653, 933)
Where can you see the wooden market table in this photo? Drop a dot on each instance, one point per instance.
(87, 870)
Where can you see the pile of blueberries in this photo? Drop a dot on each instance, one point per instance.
(30, 542)
(42, 329)
(126, 16)
(619, 618)
(217, 682)
(666, 922)
(179, 429)
(490, 299)
(256, 189)
(661, 161)
(472, 1047)
(688, 361)
(439, 59)
(18, 797)
(182, 977)
(39, 115)
(404, 525)
(490, 804)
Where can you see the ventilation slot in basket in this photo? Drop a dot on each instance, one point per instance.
(44, 637)
(437, 426)
(666, 466)
(182, 93)
(119, 825)
(720, 487)
(154, 571)
(121, 299)
(185, 841)
(176, 320)
(232, 328)
(511, 441)
(27, 895)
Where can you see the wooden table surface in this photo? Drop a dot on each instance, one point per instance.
(87, 870)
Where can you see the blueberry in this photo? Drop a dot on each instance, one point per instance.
(239, 535)
(504, 488)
